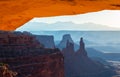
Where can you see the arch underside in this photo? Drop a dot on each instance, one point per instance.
(14, 13)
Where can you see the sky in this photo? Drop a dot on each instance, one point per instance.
(106, 17)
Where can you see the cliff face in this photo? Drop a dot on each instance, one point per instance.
(47, 65)
(78, 64)
(28, 57)
(47, 41)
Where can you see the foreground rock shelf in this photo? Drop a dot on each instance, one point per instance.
(47, 65)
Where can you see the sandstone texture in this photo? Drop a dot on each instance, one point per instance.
(14, 13)
(25, 55)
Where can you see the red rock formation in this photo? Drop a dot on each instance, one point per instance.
(5, 72)
(26, 56)
(47, 65)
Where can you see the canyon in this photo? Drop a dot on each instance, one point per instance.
(33, 56)
(78, 63)
(26, 56)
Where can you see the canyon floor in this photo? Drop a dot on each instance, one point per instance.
(116, 65)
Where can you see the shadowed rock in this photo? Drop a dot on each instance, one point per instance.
(63, 42)
(28, 57)
(47, 41)
(78, 64)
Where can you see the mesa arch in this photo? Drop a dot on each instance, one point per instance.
(14, 13)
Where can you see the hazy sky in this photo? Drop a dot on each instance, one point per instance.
(106, 17)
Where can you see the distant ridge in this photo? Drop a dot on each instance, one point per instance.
(38, 26)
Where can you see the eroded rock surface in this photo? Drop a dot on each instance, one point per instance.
(28, 57)
(14, 13)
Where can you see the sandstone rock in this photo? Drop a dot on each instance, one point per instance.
(5, 72)
(28, 57)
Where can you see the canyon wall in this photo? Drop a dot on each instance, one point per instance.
(47, 65)
(25, 55)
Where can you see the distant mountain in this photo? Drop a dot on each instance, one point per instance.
(38, 26)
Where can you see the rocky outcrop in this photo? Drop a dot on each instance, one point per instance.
(6, 72)
(70, 48)
(47, 41)
(81, 51)
(78, 64)
(45, 65)
(28, 57)
(14, 44)
(63, 42)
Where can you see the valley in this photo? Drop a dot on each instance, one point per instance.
(116, 65)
